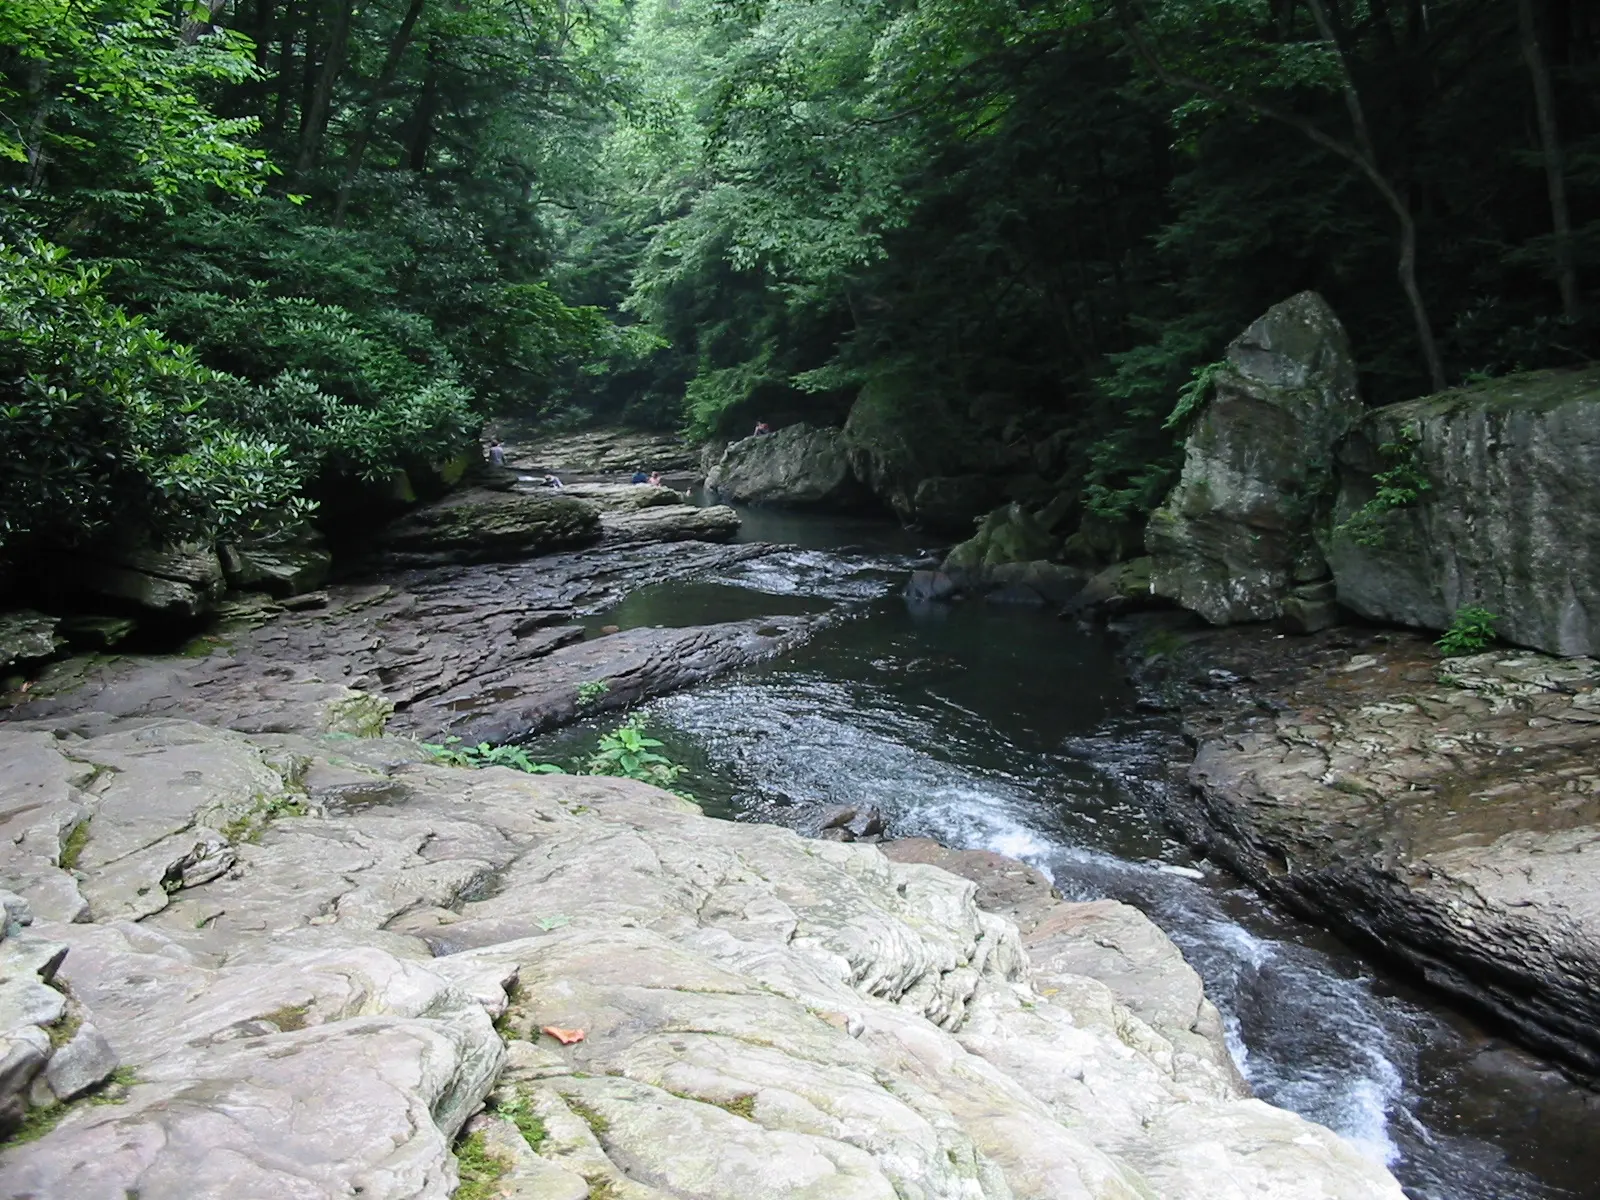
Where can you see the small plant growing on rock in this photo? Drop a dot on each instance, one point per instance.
(592, 691)
(1400, 484)
(628, 753)
(454, 753)
(480, 1169)
(1471, 632)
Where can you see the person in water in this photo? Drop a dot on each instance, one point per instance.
(655, 478)
(497, 453)
(640, 477)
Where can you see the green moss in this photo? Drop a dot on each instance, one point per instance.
(740, 1106)
(480, 1171)
(72, 848)
(41, 1120)
(288, 1018)
(64, 1030)
(596, 1121)
(248, 826)
(528, 1123)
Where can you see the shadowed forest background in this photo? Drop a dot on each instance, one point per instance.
(258, 257)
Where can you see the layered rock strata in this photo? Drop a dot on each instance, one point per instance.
(487, 652)
(388, 940)
(1444, 812)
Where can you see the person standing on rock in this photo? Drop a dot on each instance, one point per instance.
(497, 453)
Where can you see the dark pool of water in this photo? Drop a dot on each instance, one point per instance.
(1015, 732)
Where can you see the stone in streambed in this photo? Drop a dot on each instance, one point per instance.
(1509, 519)
(479, 526)
(799, 466)
(1236, 531)
(672, 523)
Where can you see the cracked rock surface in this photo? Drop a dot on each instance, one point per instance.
(763, 1015)
(1446, 811)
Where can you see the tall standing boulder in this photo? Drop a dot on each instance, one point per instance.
(1235, 536)
(1494, 501)
(799, 466)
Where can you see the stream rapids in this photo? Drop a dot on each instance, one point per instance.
(1014, 731)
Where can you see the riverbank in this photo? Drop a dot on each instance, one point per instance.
(1438, 811)
(196, 825)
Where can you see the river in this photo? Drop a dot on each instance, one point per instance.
(1015, 731)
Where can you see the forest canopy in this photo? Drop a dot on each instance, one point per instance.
(255, 253)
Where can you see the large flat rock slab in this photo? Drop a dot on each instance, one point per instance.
(744, 1012)
(1444, 811)
(475, 649)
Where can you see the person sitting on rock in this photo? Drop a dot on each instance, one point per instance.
(640, 477)
(762, 429)
(655, 478)
(497, 453)
(553, 481)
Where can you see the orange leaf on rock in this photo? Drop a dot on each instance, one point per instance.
(565, 1036)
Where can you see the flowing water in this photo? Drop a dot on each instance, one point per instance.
(1015, 731)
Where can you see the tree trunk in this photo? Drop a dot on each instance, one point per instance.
(315, 123)
(191, 30)
(391, 68)
(1544, 97)
(1398, 203)
(422, 119)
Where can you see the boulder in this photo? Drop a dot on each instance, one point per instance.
(28, 635)
(1509, 519)
(672, 523)
(935, 460)
(175, 582)
(480, 526)
(1236, 531)
(799, 466)
(290, 563)
(1007, 535)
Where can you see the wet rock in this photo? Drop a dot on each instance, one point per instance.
(853, 824)
(479, 526)
(623, 497)
(1441, 812)
(463, 631)
(1311, 608)
(952, 504)
(28, 635)
(97, 633)
(672, 523)
(932, 586)
(799, 466)
(176, 582)
(635, 665)
(1237, 528)
(1119, 588)
(1508, 521)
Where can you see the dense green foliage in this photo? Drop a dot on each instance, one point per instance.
(310, 245)
(313, 242)
(1053, 214)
